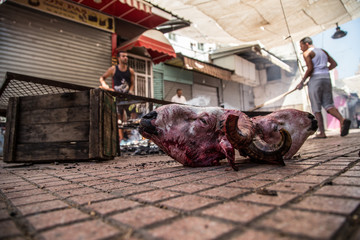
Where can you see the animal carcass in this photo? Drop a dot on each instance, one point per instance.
(202, 136)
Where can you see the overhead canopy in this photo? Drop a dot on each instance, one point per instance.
(254, 53)
(134, 11)
(155, 43)
(235, 21)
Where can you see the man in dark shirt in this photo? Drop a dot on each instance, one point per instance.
(123, 81)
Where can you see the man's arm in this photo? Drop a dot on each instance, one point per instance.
(132, 79)
(309, 69)
(332, 62)
(107, 74)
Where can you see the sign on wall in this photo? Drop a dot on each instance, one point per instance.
(73, 12)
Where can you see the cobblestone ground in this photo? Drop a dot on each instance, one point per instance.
(315, 196)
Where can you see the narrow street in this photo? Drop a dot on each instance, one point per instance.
(315, 196)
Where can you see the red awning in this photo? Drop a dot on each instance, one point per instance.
(158, 47)
(134, 11)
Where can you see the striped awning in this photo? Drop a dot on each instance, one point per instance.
(134, 11)
(158, 47)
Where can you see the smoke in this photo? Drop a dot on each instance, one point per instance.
(201, 101)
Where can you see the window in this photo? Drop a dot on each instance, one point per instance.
(273, 73)
(201, 46)
(172, 36)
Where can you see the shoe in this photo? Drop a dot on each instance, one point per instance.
(319, 136)
(345, 127)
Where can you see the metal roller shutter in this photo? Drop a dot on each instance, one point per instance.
(42, 45)
(171, 87)
(210, 93)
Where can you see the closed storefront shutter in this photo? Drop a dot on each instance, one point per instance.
(171, 87)
(42, 45)
(208, 93)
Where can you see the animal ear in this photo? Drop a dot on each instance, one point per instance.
(229, 152)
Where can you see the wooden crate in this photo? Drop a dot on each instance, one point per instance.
(61, 127)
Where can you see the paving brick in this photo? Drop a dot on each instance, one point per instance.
(49, 179)
(328, 204)
(15, 185)
(278, 200)
(311, 224)
(76, 191)
(97, 182)
(355, 173)
(130, 190)
(330, 167)
(73, 176)
(342, 191)
(220, 180)
(41, 207)
(143, 216)
(320, 172)
(269, 177)
(32, 199)
(60, 188)
(189, 187)
(12, 188)
(95, 229)
(199, 229)
(307, 178)
(85, 179)
(140, 180)
(8, 228)
(89, 198)
(4, 214)
(154, 196)
(237, 211)
(50, 219)
(109, 206)
(164, 183)
(223, 192)
(110, 186)
(291, 187)
(188, 202)
(257, 234)
(247, 183)
(24, 193)
(347, 181)
(54, 183)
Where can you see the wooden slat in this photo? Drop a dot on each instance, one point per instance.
(57, 115)
(107, 120)
(11, 129)
(115, 131)
(56, 132)
(94, 115)
(101, 124)
(44, 152)
(51, 101)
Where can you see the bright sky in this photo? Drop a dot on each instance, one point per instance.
(346, 50)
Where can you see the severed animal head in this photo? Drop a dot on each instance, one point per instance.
(300, 125)
(202, 136)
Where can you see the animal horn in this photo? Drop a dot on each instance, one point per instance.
(239, 130)
(259, 150)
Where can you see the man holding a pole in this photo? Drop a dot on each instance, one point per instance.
(320, 88)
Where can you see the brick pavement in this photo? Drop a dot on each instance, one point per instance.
(315, 196)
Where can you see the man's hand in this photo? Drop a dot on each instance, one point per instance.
(300, 85)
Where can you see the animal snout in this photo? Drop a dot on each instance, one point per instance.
(314, 123)
(146, 125)
(150, 116)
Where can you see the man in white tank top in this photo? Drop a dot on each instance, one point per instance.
(320, 88)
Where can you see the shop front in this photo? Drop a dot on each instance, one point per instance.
(76, 41)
